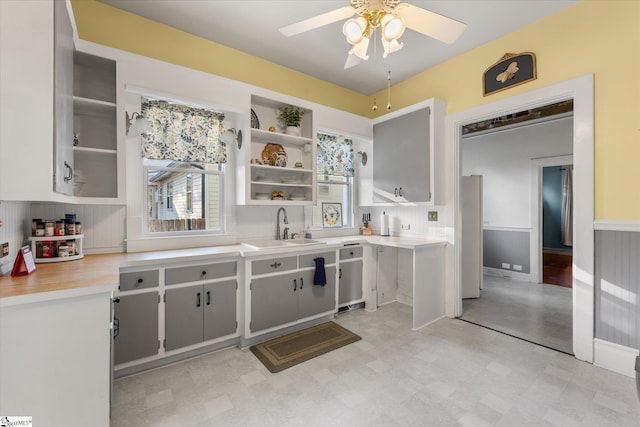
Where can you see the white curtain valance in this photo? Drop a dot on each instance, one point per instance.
(182, 133)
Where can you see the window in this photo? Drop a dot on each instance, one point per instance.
(169, 195)
(335, 178)
(183, 160)
(190, 192)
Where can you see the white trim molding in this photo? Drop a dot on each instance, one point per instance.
(615, 357)
(613, 225)
(515, 275)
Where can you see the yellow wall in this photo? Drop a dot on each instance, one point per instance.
(599, 37)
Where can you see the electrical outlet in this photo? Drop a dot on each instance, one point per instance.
(406, 226)
(4, 251)
(506, 265)
(517, 267)
(433, 215)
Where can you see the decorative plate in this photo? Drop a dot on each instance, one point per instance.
(255, 123)
(274, 155)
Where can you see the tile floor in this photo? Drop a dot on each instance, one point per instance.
(536, 312)
(451, 373)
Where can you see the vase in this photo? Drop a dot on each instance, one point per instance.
(292, 130)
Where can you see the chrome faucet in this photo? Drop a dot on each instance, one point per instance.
(286, 221)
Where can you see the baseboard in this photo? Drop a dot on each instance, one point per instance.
(428, 323)
(497, 272)
(615, 357)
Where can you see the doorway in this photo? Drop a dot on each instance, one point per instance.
(557, 233)
(581, 91)
(513, 301)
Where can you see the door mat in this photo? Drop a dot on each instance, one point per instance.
(289, 350)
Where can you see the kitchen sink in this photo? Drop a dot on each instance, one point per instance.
(272, 243)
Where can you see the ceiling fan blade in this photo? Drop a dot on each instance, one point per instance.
(352, 61)
(318, 21)
(430, 23)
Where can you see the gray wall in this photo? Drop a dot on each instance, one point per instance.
(510, 246)
(617, 282)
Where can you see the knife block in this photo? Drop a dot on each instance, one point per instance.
(366, 229)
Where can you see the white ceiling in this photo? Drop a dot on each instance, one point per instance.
(252, 26)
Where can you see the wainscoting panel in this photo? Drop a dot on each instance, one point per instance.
(617, 285)
(506, 246)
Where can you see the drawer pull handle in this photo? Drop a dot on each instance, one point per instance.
(208, 297)
(204, 272)
(351, 253)
(301, 283)
(276, 264)
(295, 285)
(198, 300)
(339, 273)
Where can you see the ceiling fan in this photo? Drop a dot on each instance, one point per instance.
(391, 16)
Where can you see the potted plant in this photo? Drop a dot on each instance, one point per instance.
(290, 118)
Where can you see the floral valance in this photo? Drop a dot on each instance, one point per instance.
(335, 155)
(182, 133)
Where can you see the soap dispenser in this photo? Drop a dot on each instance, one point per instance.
(307, 232)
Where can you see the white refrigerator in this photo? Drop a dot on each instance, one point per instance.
(471, 235)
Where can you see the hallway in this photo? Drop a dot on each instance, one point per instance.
(538, 313)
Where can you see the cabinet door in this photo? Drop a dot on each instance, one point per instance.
(63, 92)
(136, 319)
(350, 286)
(316, 299)
(274, 301)
(220, 309)
(183, 310)
(401, 158)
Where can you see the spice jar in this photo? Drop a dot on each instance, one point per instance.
(34, 225)
(47, 249)
(49, 228)
(71, 227)
(59, 231)
(78, 227)
(71, 244)
(40, 229)
(63, 249)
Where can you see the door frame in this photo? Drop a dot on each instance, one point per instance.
(535, 241)
(581, 91)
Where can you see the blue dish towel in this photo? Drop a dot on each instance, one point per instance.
(320, 277)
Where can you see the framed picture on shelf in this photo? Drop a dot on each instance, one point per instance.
(331, 215)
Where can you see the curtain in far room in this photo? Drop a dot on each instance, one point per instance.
(566, 224)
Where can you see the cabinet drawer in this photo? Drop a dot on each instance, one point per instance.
(309, 260)
(138, 280)
(273, 265)
(199, 272)
(351, 252)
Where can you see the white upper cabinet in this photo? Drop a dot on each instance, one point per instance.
(35, 101)
(407, 150)
(275, 167)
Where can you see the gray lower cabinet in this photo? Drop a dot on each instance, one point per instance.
(285, 298)
(316, 299)
(350, 286)
(199, 313)
(136, 327)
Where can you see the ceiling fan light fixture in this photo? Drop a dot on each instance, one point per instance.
(392, 27)
(360, 49)
(390, 46)
(354, 30)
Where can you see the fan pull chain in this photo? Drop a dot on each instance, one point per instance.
(388, 90)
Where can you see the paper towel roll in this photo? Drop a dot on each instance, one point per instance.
(384, 224)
